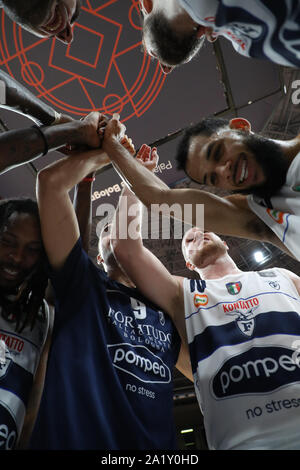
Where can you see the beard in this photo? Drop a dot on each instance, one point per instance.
(171, 48)
(271, 159)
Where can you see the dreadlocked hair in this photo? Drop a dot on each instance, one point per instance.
(29, 302)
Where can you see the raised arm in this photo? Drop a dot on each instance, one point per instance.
(58, 219)
(24, 145)
(19, 99)
(59, 223)
(226, 216)
(82, 203)
(142, 267)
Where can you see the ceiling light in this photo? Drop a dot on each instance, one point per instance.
(184, 431)
(259, 256)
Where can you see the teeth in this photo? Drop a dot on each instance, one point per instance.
(10, 271)
(244, 172)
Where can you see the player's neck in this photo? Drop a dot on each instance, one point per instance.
(290, 148)
(116, 274)
(222, 266)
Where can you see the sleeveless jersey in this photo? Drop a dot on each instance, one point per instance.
(244, 338)
(256, 28)
(108, 384)
(282, 212)
(19, 358)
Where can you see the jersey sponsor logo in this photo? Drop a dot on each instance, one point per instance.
(266, 273)
(277, 216)
(240, 304)
(234, 288)
(241, 42)
(200, 300)
(259, 370)
(252, 31)
(142, 332)
(274, 284)
(162, 318)
(7, 437)
(5, 359)
(12, 342)
(245, 321)
(139, 362)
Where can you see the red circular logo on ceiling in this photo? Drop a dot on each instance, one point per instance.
(104, 69)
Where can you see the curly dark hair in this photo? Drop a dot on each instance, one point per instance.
(29, 303)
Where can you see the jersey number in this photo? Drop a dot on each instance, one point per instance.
(139, 309)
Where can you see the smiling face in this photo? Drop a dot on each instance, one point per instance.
(44, 18)
(20, 249)
(201, 249)
(225, 161)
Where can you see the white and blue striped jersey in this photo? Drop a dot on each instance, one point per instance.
(282, 211)
(263, 29)
(244, 338)
(19, 358)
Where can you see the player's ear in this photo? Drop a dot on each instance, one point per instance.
(240, 124)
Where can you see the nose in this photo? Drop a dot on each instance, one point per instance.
(16, 255)
(166, 68)
(224, 170)
(210, 35)
(66, 35)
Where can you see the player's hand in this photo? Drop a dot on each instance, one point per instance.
(148, 157)
(89, 130)
(128, 144)
(114, 130)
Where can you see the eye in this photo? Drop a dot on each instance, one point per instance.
(213, 179)
(218, 152)
(34, 250)
(6, 241)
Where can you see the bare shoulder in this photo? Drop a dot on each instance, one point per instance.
(179, 280)
(292, 276)
(254, 227)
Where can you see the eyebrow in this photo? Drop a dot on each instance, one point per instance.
(207, 156)
(12, 235)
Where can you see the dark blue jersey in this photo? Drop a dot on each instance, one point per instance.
(109, 378)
